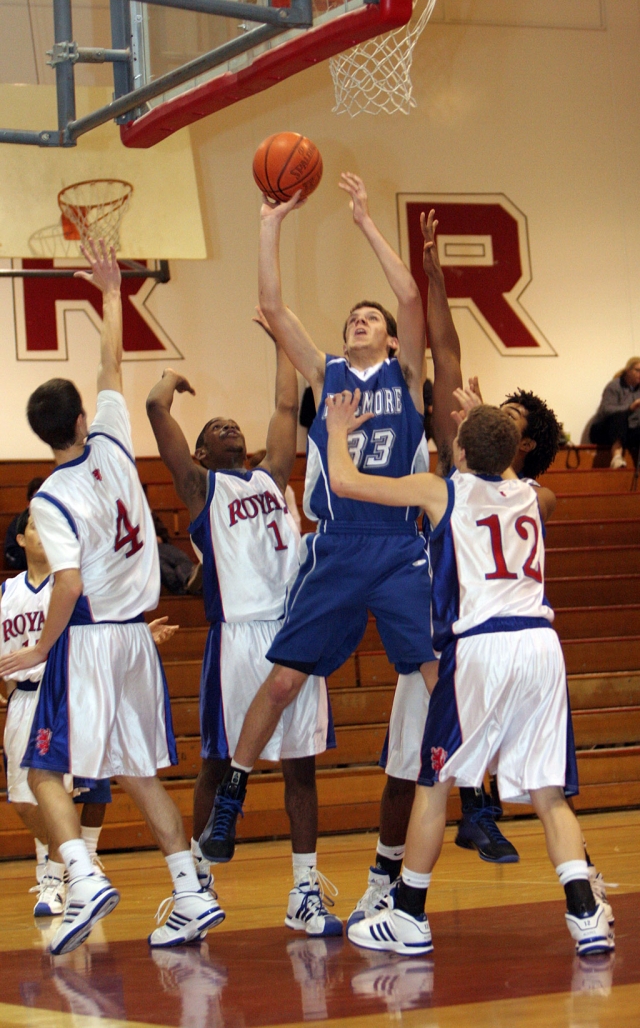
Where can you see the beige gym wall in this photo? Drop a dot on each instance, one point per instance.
(544, 111)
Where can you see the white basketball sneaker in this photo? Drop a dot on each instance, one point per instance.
(307, 909)
(88, 899)
(592, 934)
(599, 890)
(192, 915)
(374, 899)
(51, 896)
(395, 931)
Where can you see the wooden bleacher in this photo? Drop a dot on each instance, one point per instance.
(593, 572)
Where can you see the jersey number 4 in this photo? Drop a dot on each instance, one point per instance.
(522, 526)
(126, 533)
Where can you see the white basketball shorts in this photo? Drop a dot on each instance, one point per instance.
(401, 756)
(17, 729)
(501, 703)
(233, 669)
(103, 708)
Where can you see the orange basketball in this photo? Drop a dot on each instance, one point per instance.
(286, 162)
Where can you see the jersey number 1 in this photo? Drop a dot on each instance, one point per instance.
(126, 533)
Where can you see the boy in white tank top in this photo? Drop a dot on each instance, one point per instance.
(103, 709)
(501, 695)
(248, 544)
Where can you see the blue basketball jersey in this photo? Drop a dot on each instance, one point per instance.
(391, 443)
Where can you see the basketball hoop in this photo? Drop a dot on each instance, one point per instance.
(376, 75)
(94, 209)
(50, 242)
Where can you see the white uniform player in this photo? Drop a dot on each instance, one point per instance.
(92, 515)
(488, 579)
(248, 543)
(24, 609)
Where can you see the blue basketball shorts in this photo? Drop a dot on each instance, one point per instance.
(349, 571)
(92, 790)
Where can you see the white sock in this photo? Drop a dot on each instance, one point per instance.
(42, 851)
(572, 870)
(183, 872)
(55, 870)
(241, 767)
(90, 837)
(76, 857)
(302, 864)
(415, 879)
(390, 852)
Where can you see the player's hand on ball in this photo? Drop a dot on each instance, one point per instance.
(272, 209)
(161, 631)
(181, 384)
(105, 273)
(354, 186)
(341, 412)
(430, 259)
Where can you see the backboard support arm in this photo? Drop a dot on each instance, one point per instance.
(128, 101)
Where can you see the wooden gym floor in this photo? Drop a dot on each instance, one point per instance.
(503, 957)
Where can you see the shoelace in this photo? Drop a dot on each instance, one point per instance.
(163, 908)
(227, 810)
(485, 816)
(46, 883)
(95, 860)
(321, 890)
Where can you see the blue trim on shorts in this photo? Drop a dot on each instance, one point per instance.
(384, 755)
(113, 439)
(571, 783)
(82, 616)
(27, 686)
(213, 737)
(48, 746)
(168, 719)
(506, 624)
(442, 732)
(97, 790)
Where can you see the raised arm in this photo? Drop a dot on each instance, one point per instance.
(105, 276)
(189, 479)
(445, 347)
(288, 330)
(422, 490)
(411, 330)
(282, 434)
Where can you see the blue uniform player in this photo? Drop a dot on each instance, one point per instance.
(362, 557)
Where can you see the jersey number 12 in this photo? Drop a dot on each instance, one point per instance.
(523, 524)
(126, 533)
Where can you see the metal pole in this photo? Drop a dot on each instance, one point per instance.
(160, 275)
(220, 55)
(65, 82)
(293, 15)
(121, 40)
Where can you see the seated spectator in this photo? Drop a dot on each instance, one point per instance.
(178, 573)
(617, 421)
(14, 555)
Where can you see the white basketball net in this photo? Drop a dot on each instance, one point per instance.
(376, 76)
(96, 209)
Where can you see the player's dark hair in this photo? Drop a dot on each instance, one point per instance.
(53, 410)
(392, 328)
(33, 487)
(543, 427)
(22, 522)
(200, 439)
(489, 438)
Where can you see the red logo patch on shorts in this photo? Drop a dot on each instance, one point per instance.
(438, 758)
(43, 740)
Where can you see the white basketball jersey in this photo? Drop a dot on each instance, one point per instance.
(92, 514)
(24, 609)
(487, 555)
(248, 543)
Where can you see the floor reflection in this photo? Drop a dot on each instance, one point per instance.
(272, 976)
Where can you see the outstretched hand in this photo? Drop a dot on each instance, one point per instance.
(341, 412)
(274, 209)
(105, 273)
(21, 660)
(260, 319)
(430, 258)
(181, 384)
(161, 631)
(354, 186)
(468, 397)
